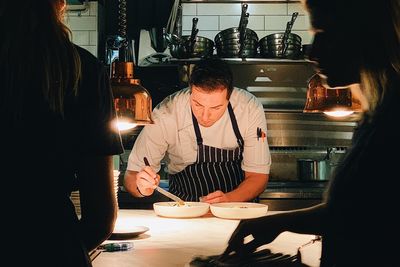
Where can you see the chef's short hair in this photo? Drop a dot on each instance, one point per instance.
(210, 74)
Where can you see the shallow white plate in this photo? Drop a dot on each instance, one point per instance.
(121, 233)
(172, 210)
(238, 210)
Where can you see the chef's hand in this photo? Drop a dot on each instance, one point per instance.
(251, 234)
(215, 197)
(146, 180)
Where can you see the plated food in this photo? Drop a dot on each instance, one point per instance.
(238, 210)
(173, 210)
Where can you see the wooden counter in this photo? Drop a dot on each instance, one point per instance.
(174, 242)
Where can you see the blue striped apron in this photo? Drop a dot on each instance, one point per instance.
(214, 169)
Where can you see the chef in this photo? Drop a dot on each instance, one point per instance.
(212, 137)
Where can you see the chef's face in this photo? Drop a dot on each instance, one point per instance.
(208, 106)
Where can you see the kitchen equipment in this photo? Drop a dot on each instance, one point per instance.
(159, 42)
(189, 210)
(283, 44)
(158, 39)
(190, 46)
(145, 47)
(113, 44)
(237, 42)
(202, 47)
(281, 85)
(289, 26)
(274, 45)
(313, 170)
(333, 102)
(238, 210)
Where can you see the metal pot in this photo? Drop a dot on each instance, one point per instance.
(277, 39)
(252, 42)
(191, 46)
(202, 47)
(235, 47)
(293, 52)
(234, 34)
(313, 170)
(232, 53)
(276, 46)
(237, 41)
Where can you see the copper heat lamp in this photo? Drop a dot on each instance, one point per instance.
(132, 101)
(332, 102)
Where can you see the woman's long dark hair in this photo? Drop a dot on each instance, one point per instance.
(35, 54)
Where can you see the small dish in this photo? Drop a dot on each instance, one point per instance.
(128, 233)
(238, 210)
(173, 210)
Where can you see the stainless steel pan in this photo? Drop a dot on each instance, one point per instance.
(277, 39)
(203, 47)
(191, 46)
(237, 41)
(236, 53)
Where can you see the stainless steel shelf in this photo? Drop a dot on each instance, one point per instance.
(243, 60)
(240, 1)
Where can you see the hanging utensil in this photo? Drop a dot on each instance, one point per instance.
(193, 34)
(243, 15)
(237, 41)
(242, 32)
(289, 26)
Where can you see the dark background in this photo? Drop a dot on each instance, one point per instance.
(141, 14)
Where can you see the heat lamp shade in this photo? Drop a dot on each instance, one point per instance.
(132, 103)
(330, 101)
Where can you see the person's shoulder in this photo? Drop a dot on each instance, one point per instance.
(174, 109)
(243, 98)
(86, 57)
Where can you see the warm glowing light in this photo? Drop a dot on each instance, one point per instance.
(123, 126)
(339, 113)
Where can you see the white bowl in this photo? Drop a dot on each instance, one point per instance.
(172, 210)
(238, 210)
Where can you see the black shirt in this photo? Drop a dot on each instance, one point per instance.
(362, 198)
(42, 151)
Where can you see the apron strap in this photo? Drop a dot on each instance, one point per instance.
(235, 126)
(199, 139)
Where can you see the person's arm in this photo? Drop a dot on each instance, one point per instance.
(98, 200)
(252, 186)
(265, 229)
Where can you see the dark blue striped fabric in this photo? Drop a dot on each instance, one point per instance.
(214, 169)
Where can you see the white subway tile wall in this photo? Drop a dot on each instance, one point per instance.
(264, 19)
(84, 27)
(213, 17)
